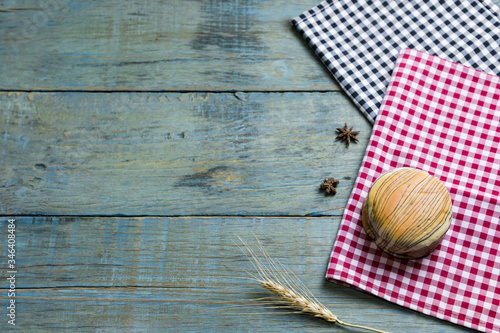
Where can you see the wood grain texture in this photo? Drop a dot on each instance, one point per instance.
(202, 147)
(156, 45)
(176, 154)
(183, 274)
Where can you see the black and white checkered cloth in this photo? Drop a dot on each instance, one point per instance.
(359, 40)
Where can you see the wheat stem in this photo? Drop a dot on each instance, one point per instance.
(360, 326)
(280, 281)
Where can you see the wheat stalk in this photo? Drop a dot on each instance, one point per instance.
(290, 291)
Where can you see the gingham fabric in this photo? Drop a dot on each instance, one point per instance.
(443, 118)
(359, 40)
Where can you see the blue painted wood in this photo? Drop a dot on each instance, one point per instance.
(176, 154)
(186, 45)
(183, 274)
(156, 45)
(163, 154)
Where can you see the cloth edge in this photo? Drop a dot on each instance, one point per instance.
(334, 275)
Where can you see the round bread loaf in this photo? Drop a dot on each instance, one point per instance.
(407, 212)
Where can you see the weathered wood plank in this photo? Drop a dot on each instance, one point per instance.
(212, 45)
(182, 274)
(175, 154)
(156, 45)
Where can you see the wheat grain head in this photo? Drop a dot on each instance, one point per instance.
(287, 287)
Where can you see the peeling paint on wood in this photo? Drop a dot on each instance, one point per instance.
(239, 146)
(176, 154)
(181, 274)
(211, 45)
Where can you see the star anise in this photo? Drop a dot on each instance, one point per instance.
(347, 134)
(328, 186)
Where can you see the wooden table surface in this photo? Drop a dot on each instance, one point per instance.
(139, 139)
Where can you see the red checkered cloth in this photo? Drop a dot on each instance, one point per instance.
(443, 118)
